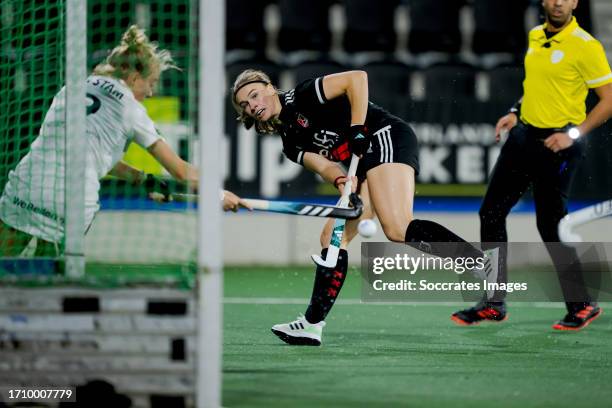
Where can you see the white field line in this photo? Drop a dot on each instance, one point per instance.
(303, 301)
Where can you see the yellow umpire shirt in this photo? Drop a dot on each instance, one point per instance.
(558, 73)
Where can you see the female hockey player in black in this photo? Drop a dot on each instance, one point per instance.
(322, 121)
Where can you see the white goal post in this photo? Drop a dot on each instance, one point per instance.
(211, 63)
(76, 73)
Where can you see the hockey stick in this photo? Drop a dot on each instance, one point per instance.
(333, 249)
(292, 207)
(580, 217)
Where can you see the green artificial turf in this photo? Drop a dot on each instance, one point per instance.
(381, 355)
(403, 355)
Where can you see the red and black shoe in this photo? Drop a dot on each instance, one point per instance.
(483, 311)
(580, 319)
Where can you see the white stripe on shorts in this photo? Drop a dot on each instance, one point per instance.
(386, 145)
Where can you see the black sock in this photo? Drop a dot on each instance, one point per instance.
(435, 238)
(327, 285)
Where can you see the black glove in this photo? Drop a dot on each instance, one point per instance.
(358, 140)
(157, 185)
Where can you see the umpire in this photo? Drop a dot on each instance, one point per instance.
(545, 145)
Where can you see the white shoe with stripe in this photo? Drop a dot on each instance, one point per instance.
(300, 332)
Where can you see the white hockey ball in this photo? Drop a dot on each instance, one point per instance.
(366, 228)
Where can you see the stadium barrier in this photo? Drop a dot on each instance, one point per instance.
(140, 340)
(288, 240)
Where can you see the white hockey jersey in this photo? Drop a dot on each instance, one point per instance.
(33, 199)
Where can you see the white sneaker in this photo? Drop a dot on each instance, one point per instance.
(300, 332)
(490, 271)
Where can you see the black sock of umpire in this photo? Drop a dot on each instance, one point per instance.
(327, 285)
(436, 237)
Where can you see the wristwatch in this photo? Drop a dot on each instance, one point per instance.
(573, 133)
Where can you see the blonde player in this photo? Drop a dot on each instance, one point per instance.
(32, 203)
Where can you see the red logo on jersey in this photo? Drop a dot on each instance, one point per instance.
(302, 121)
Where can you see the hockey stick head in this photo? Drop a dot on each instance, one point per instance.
(331, 258)
(321, 262)
(357, 204)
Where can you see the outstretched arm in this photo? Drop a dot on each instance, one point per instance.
(187, 173)
(126, 172)
(353, 84)
(177, 167)
(157, 189)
